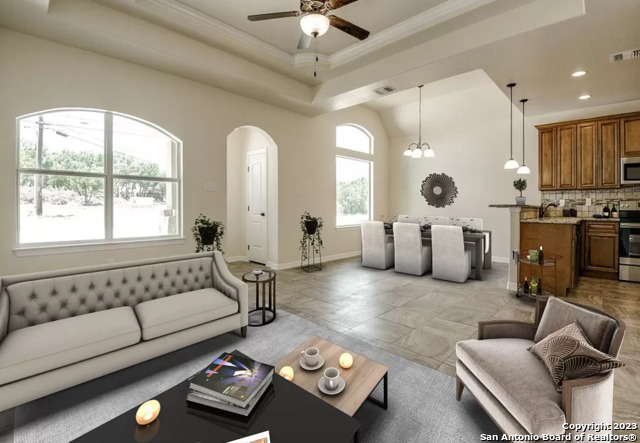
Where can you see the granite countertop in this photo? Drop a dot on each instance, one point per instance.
(569, 220)
(512, 205)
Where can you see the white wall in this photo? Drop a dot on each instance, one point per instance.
(36, 74)
(469, 132)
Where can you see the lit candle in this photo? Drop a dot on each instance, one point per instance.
(287, 373)
(346, 360)
(148, 412)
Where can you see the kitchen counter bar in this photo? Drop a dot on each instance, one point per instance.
(569, 220)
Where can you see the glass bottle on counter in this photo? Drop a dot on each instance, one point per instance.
(541, 256)
(534, 286)
(605, 212)
(614, 211)
(525, 287)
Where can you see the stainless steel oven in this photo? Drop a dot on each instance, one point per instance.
(630, 171)
(629, 247)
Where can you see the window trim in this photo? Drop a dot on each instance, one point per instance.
(366, 132)
(108, 242)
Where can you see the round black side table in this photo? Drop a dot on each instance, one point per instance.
(268, 281)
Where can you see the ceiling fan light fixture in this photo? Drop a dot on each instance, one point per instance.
(314, 25)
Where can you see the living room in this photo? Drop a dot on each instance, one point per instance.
(207, 81)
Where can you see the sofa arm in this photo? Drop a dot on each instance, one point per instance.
(4, 313)
(589, 400)
(230, 286)
(506, 329)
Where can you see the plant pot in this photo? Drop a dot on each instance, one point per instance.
(311, 226)
(520, 201)
(207, 234)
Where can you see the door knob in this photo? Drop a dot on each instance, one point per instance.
(262, 214)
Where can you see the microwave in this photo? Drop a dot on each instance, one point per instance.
(630, 171)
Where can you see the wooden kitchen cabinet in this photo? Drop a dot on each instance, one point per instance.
(601, 249)
(585, 154)
(587, 160)
(556, 240)
(630, 136)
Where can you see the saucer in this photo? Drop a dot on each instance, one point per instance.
(323, 388)
(304, 365)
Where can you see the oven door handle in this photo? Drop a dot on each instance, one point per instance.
(630, 225)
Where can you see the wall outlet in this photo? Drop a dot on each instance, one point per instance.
(588, 202)
(561, 202)
(210, 187)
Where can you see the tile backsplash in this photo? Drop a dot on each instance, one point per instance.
(599, 197)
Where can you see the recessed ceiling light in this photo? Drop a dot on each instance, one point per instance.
(578, 73)
(585, 97)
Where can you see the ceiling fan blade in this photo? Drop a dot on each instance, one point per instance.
(348, 27)
(259, 17)
(305, 41)
(335, 4)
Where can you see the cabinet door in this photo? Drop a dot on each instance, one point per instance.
(566, 157)
(547, 159)
(588, 162)
(601, 248)
(608, 134)
(630, 136)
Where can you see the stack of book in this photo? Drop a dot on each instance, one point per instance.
(233, 382)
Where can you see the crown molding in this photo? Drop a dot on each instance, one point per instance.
(188, 16)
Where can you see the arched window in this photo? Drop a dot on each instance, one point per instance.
(354, 175)
(92, 176)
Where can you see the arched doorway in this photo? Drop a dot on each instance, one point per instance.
(252, 196)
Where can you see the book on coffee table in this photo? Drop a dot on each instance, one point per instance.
(233, 378)
(214, 402)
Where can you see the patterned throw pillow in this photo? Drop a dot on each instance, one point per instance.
(568, 355)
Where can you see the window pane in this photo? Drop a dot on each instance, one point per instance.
(144, 208)
(351, 137)
(60, 208)
(140, 149)
(353, 191)
(63, 141)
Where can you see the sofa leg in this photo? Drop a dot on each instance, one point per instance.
(243, 331)
(459, 389)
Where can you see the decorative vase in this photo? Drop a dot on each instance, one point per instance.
(207, 234)
(520, 201)
(311, 226)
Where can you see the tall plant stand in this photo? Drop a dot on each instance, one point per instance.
(310, 248)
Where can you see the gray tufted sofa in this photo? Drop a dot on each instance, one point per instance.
(62, 328)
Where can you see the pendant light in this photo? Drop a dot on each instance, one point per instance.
(511, 163)
(524, 169)
(418, 150)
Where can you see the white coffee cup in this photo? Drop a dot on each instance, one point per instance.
(311, 356)
(331, 376)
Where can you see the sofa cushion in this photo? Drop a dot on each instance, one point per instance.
(181, 311)
(41, 348)
(518, 380)
(568, 355)
(598, 328)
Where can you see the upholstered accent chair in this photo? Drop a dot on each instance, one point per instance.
(408, 219)
(450, 260)
(412, 256)
(377, 247)
(516, 389)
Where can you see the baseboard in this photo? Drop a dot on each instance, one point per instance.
(500, 259)
(512, 286)
(328, 258)
(236, 259)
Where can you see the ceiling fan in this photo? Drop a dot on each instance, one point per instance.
(316, 19)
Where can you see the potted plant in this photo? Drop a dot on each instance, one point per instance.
(311, 228)
(520, 185)
(207, 234)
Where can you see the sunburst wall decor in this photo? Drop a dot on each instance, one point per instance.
(439, 190)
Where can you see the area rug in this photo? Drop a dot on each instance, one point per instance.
(422, 405)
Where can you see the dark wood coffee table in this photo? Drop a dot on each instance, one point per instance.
(288, 412)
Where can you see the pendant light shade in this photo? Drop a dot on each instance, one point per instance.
(511, 163)
(419, 150)
(314, 25)
(524, 169)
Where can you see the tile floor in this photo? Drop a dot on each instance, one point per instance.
(421, 319)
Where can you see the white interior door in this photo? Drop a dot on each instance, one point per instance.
(257, 206)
